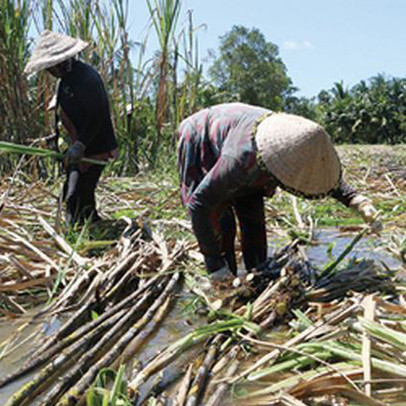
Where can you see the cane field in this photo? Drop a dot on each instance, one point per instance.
(114, 313)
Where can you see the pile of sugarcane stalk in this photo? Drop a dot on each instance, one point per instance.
(136, 291)
(235, 349)
(337, 342)
(347, 355)
(230, 359)
(36, 259)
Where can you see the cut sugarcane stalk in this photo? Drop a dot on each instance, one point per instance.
(10, 147)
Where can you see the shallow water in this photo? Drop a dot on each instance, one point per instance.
(15, 359)
(368, 248)
(177, 324)
(28, 338)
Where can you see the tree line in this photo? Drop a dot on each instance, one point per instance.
(249, 69)
(150, 95)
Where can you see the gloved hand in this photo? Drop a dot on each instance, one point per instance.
(75, 153)
(217, 269)
(367, 211)
(205, 283)
(221, 274)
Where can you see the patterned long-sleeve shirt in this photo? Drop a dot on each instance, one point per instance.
(217, 163)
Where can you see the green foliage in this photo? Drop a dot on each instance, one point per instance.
(250, 70)
(164, 15)
(150, 97)
(17, 122)
(110, 389)
(372, 112)
(301, 106)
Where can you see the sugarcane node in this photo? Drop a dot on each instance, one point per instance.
(250, 277)
(236, 282)
(216, 305)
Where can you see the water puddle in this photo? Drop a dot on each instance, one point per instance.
(368, 248)
(13, 361)
(176, 325)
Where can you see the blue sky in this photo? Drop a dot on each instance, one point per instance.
(320, 42)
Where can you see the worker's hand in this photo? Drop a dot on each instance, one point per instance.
(221, 274)
(367, 211)
(75, 153)
(376, 226)
(205, 283)
(218, 270)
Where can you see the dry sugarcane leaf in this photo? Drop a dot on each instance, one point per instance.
(47, 281)
(323, 381)
(289, 400)
(391, 307)
(369, 312)
(62, 243)
(182, 392)
(348, 393)
(32, 247)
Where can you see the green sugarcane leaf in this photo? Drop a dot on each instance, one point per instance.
(330, 248)
(396, 338)
(9, 147)
(331, 267)
(308, 375)
(296, 363)
(248, 312)
(345, 351)
(118, 384)
(302, 317)
(106, 399)
(91, 398)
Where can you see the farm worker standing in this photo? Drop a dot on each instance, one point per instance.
(232, 155)
(85, 114)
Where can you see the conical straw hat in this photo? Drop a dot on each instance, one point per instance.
(53, 48)
(299, 154)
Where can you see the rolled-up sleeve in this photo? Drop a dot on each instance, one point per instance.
(344, 193)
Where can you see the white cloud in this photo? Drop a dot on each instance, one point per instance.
(295, 45)
(308, 44)
(291, 45)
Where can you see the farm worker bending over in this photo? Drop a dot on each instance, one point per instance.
(231, 155)
(85, 114)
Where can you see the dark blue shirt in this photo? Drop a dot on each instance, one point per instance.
(84, 100)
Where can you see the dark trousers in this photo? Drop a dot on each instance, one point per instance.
(79, 193)
(251, 218)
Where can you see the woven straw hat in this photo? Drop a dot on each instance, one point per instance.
(299, 154)
(53, 48)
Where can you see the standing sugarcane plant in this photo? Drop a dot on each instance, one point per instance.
(17, 123)
(164, 15)
(186, 94)
(139, 118)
